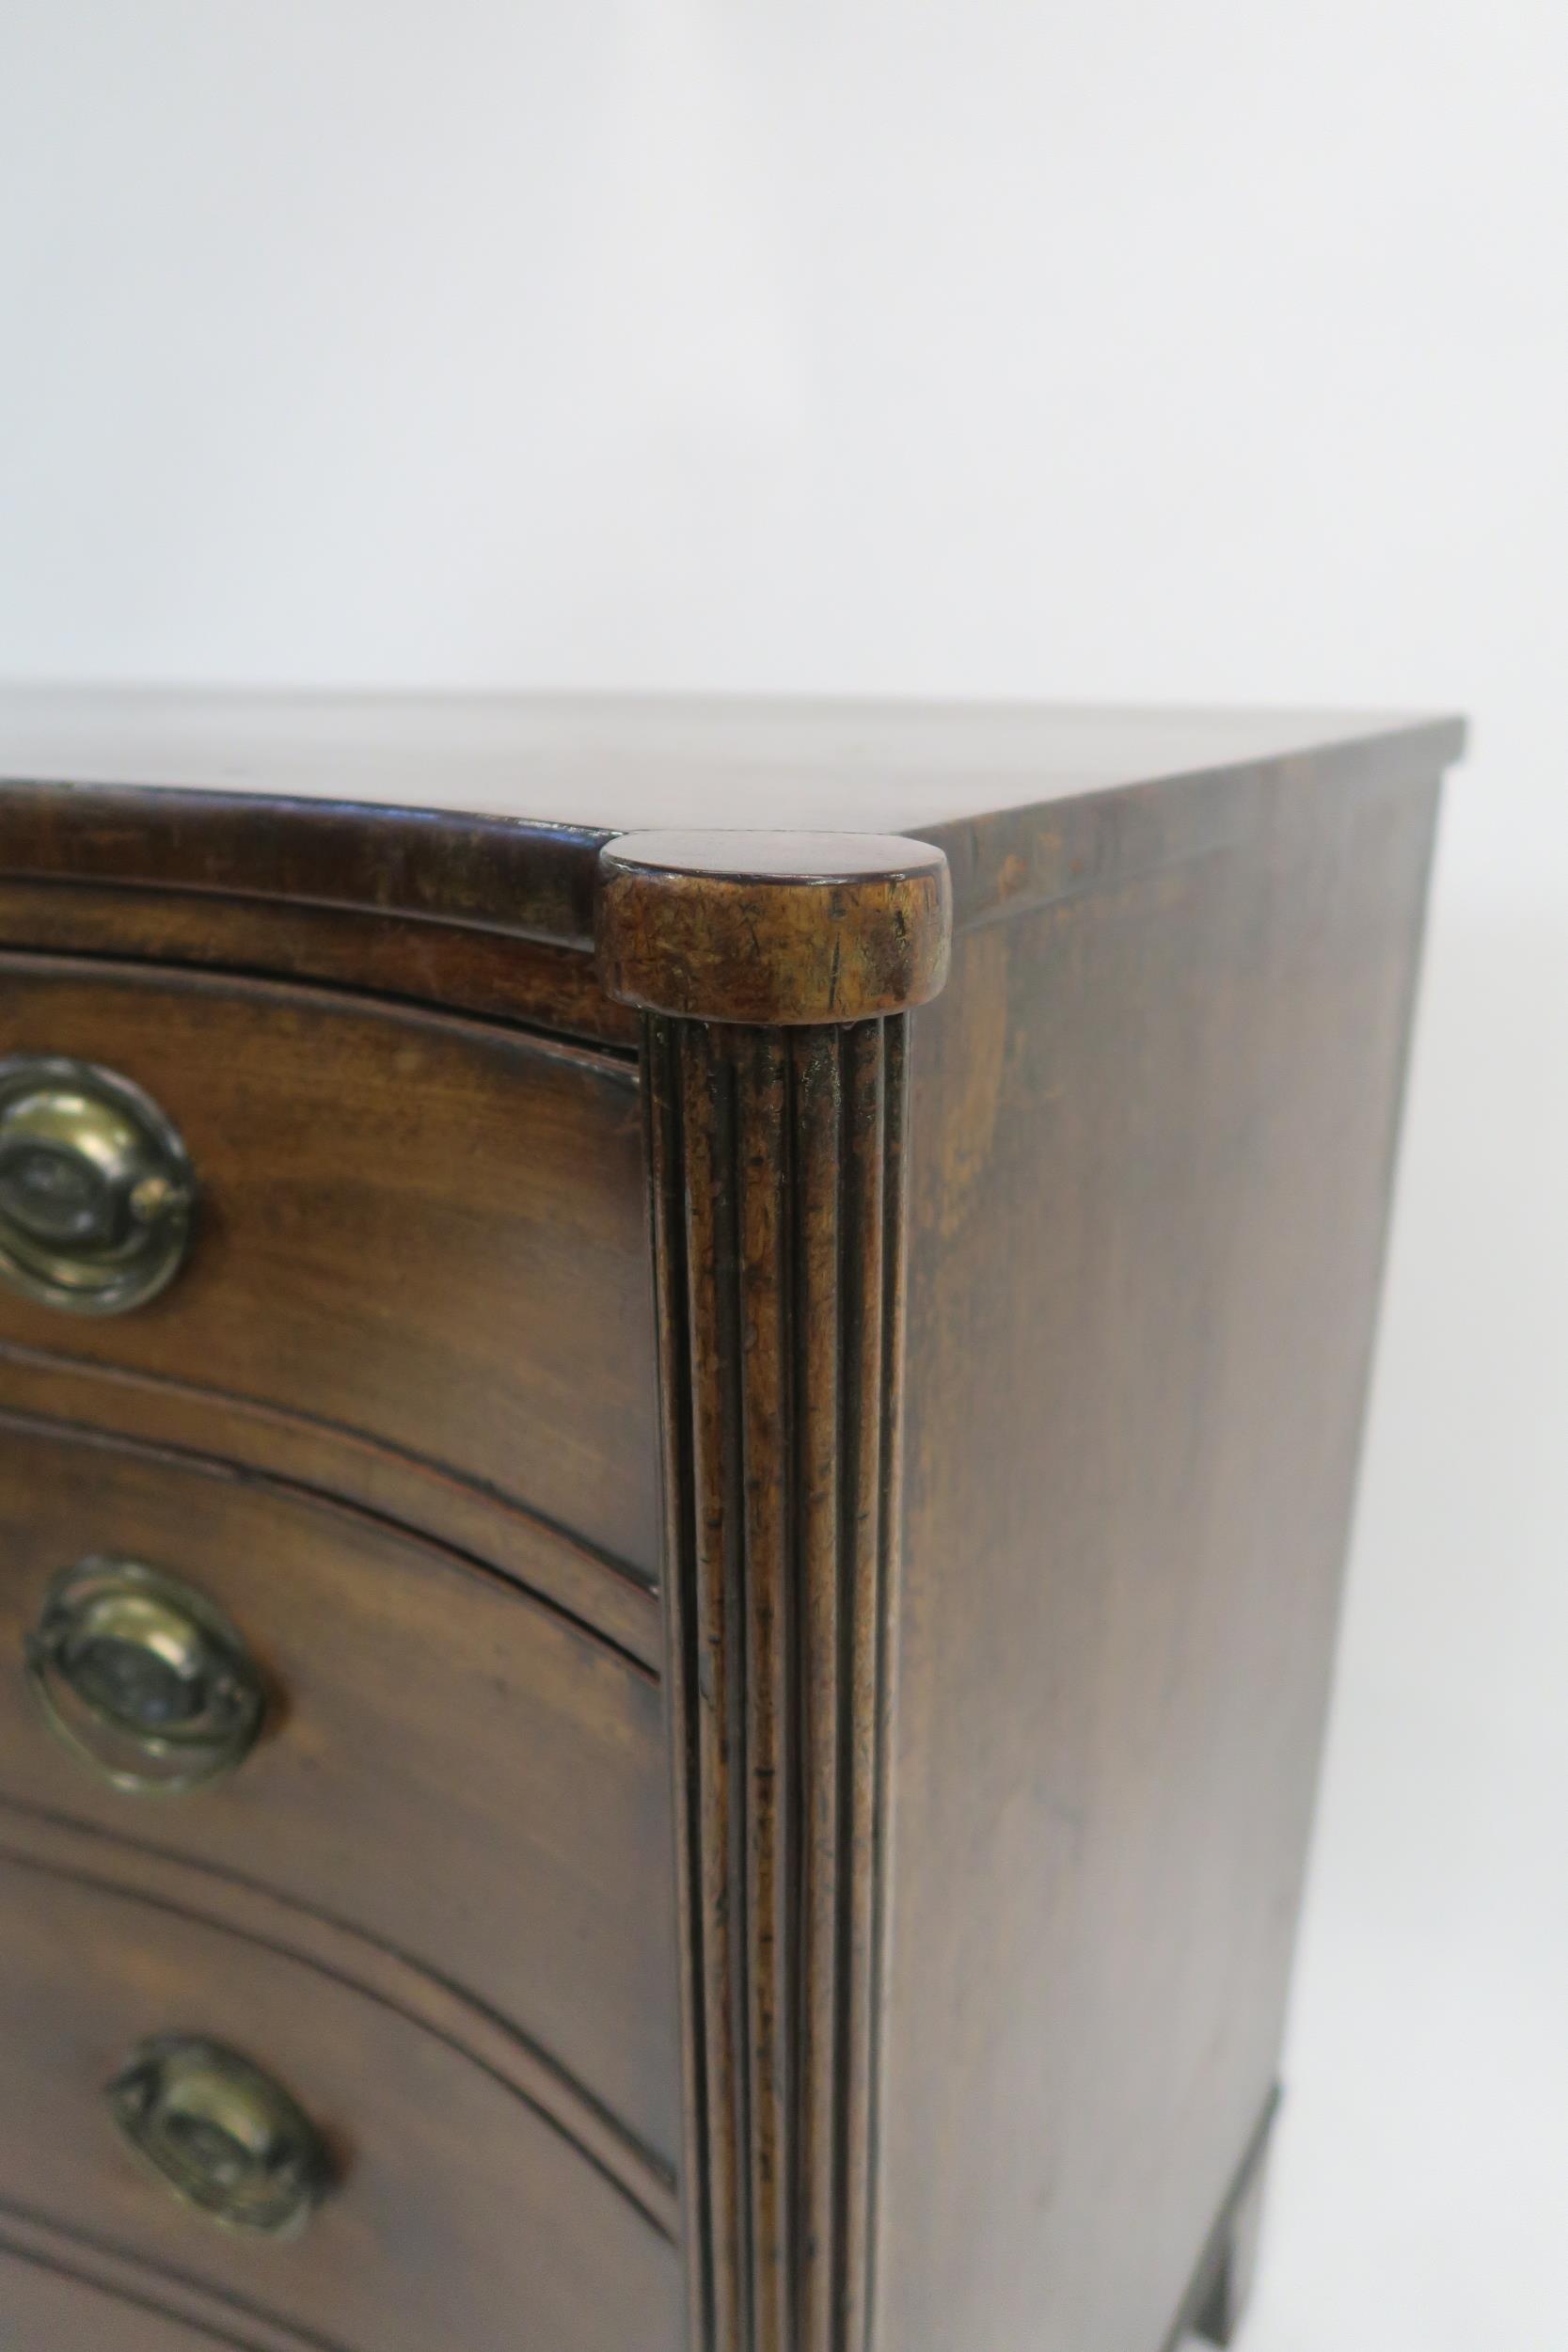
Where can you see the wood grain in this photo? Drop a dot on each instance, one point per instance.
(495, 975)
(384, 1974)
(1153, 1129)
(777, 1228)
(492, 811)
(179, 1418)
(460, 2217)
(991, 1785)
(783, 929)
(425, 1230)
(452, 1770)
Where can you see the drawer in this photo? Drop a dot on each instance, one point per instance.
(419, 1236)
(43, 2309)
(462, 1795)
(458, 2215)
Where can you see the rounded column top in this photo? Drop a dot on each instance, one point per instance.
(772, 929)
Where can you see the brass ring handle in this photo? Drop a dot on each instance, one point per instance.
(226, 2138)
(97, 1191)
(144, 1676)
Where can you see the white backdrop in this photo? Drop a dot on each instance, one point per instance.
(1100, 350)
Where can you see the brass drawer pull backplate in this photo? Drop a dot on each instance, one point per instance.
(227, 2138)
(144, 1676)
(97, 1192)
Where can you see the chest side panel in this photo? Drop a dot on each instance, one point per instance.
(1153, 1130)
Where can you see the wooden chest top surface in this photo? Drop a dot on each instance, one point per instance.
(492, 809)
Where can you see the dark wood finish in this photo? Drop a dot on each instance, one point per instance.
(991, 1783)
(778, 1227)
(183, 1418)
(1154, 1135)
(422, 1230)
(1153, 1130)
(461, 2217)
(492, 813)
(452, 1772)
(789, 929)
(246, 1907)
(493, 974)
(776, 1141)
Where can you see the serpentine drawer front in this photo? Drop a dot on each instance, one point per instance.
(418, 1237)
(679, 1390)
(423, 1726)
(451, 2210)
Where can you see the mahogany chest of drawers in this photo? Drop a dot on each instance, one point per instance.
(679, 1388)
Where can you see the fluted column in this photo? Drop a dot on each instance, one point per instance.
(776, 979)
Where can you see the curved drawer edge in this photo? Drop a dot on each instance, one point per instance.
(38, 1840)
(605, 1597)
(452, 968)
(207, 2322)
